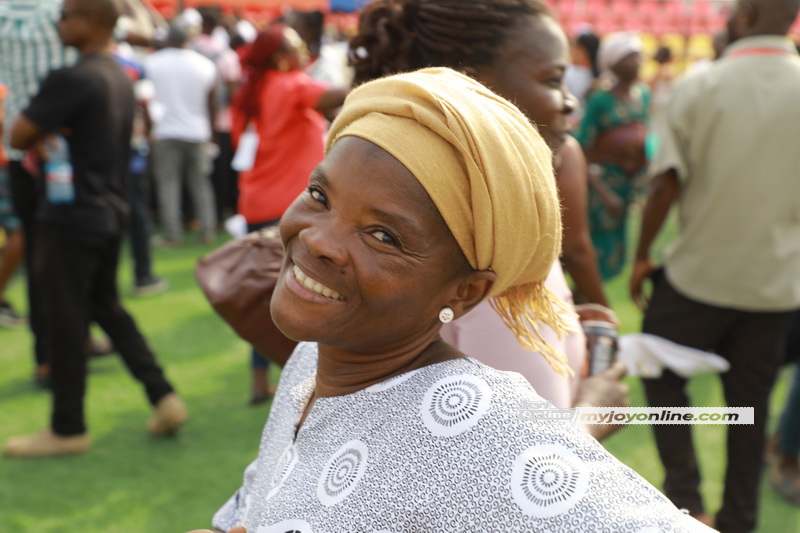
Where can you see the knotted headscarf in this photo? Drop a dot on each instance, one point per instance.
(489, 173)
(257, 60)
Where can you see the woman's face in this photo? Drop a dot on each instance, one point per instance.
(369, 259)
(529, 71)
(627, 68)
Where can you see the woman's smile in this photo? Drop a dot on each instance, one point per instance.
(313, 285)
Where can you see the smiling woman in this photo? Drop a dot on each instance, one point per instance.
(379, 425)
(386, 254)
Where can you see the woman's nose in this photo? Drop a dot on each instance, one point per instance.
(324, 242)
(570, 101)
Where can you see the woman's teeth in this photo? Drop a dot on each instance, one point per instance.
(314, 285)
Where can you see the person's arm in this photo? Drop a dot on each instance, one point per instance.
(662, 192)
(579, 257)
(60, 99)
(25, 133)
(331, 99)
(605, 389)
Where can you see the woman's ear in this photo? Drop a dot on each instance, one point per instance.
(471, 289)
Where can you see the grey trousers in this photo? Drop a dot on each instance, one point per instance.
(173, 160)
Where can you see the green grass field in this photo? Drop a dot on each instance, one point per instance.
(131, 482)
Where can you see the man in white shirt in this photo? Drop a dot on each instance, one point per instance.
(728, 159)
(182, 111)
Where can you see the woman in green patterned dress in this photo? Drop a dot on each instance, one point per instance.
(613, 133)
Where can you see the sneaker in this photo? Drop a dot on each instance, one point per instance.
(149, 286)
(169, 414)
(786, 482)
(259, 398)
(9, 318)
(162, 242)
(42, 376)
(99, 346)
(46, 444)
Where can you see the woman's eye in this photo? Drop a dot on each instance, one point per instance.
(317, 195)
(384, 237)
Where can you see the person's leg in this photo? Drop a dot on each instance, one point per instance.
(107, 311)
(674, 317)
(789, 428)
(10, 259)
(145, 282)
(13, 249)
(64, 266)
(197, 175)
(169, 411)
(217, 177)
(754, 347)
(261, 388)
(784, 473)
(168, 164)
(25, 199)
(229, 187)
(140, 218)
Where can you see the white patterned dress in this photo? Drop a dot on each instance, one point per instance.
(441, 448)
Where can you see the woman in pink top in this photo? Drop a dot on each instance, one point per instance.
(283, 105)
(517, 49)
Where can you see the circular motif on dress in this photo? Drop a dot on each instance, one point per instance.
(285, 466)
(342, 473)
(292, 525)
(548, 480)
(454, 404)
(391, 382)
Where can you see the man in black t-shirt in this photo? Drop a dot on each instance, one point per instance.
(79, 227)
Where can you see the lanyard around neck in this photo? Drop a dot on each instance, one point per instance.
(758, 51)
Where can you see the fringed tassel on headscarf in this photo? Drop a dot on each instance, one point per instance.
(524, 308)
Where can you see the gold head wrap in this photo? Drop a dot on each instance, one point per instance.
(489, 173)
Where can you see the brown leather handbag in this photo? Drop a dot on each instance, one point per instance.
(238, 280)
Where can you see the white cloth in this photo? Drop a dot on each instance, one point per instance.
(647, 355)
(246, 30)
(441, 448)
(182, 80)
(331, 66)
(578, 79)
(614, 47)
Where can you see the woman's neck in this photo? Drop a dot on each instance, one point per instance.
(341, 372)
(623, 88)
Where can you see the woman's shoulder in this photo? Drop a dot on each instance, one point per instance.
(475, 419)
(301, 365)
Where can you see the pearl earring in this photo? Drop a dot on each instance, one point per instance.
(446, 315)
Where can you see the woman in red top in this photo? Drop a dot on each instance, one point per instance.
(283, 105)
